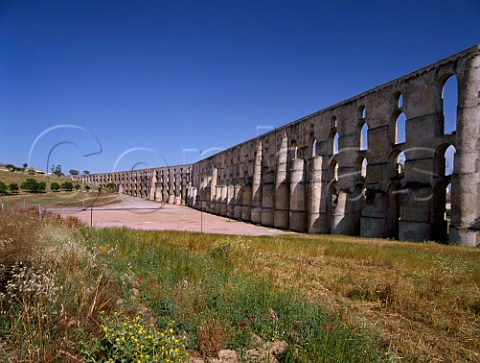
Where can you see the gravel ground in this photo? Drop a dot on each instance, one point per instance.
(143, 214)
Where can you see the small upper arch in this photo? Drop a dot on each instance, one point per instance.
(333, 122)
(398, 100)
(362, 112)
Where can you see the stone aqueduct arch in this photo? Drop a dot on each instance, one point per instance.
(316, 174)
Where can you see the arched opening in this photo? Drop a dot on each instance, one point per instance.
(356, 203)
(449, 156)
(400, 164)
(333, 171)
(363, 169)
(393, 211)
(293, 150)
(333, 122)
(450, 104)
(444, 160)
(448, 205)
(400, 101)
(396, 164)
(314, 147)
(335, 138)
(400, 125)
(364, 137)
(441, 211)
(362, 112)
(333, 195)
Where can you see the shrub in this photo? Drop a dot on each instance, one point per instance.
(67, 186)
(77, 186)
(13, 187)
(3, 188)
(33, 186)
(54, 186)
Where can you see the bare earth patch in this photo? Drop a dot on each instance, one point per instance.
(143, 214)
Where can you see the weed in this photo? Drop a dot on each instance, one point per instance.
(210, 338)
(131, 340)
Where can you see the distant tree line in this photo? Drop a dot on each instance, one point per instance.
(33, 186)
(55, 170)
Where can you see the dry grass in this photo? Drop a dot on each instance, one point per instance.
(423, 299)
(52, 287)
(18, 236)
(210, 338)
(72, 199)
(15, 177)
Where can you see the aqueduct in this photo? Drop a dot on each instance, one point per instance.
(374, 165)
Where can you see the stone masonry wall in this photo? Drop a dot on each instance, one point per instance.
(325, 173)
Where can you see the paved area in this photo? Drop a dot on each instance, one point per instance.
(142, 214)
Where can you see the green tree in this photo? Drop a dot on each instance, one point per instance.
(41, 186)
(32, 185)
(67, 186)
(25, 165)
(77, 186)
(87, 187)
(3, 188)
(29, 184)
(13, 187)
(73, 172)
(86, 172)
(57, 170)
(54, 186)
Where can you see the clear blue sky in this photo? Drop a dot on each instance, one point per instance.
(148, 79)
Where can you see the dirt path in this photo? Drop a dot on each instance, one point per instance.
(143, 214)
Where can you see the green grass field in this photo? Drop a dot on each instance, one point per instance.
(330, 298)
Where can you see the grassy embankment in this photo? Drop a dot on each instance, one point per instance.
(49, 199)
(331, 298)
